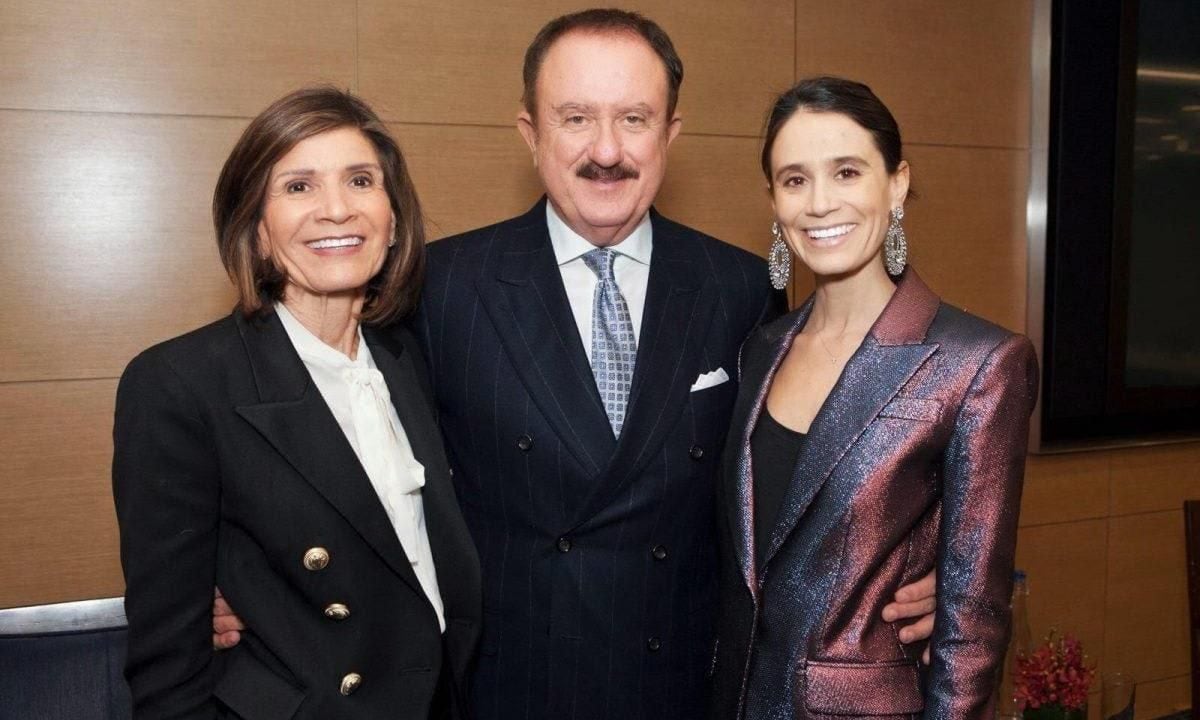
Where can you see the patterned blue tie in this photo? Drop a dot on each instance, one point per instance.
(614, 348)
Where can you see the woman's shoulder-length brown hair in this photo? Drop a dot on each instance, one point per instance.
(242, 185)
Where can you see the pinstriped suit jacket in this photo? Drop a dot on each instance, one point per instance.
(598, 555)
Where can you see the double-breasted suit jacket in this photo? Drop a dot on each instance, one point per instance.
(230, 469)
(916, 458)
(598, 554)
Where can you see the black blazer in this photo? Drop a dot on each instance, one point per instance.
(916, 456)
(228, 467)
(598, 556)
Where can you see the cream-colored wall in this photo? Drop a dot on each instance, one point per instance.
(115, 118)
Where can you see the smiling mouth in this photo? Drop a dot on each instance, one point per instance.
(829, 233)
(335, 242)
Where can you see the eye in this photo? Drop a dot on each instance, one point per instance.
(296, 186)
(574, 120)
(362, 181)
(847, 173)
(794, 181)
(635, 120)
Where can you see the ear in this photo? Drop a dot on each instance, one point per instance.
(673, 129)
(899, 184)
(528, 130)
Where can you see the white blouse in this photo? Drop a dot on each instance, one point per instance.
(358, 396)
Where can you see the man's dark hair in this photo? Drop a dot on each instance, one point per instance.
(598, 20)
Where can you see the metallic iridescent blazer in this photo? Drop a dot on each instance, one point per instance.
(915, 459)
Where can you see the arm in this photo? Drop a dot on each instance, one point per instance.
(166, 490)
(983, 468)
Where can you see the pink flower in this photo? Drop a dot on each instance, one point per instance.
(1056, 673)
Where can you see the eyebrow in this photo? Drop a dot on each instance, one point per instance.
(841, 160)
(309, 172)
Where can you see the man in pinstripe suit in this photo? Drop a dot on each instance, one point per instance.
(594, 520)
(595, 523)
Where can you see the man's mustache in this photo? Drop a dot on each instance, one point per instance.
(592, 171)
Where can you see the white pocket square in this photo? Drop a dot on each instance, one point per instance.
(710, 379)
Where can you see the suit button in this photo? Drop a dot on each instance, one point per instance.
(524, 443)
(350, 683)
(653, 644)
(696, 452)
(563, 545)
(659, 552)
(316, 558)
(337, 611)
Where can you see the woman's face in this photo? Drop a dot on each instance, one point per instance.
(832, 193)
(326, 219)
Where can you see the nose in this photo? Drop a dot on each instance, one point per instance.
(822, 199)
(605, 150)
(335, 205)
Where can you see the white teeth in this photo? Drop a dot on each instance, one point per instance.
(835, 231)
(326, 243)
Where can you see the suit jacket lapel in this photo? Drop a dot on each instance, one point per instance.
(531, 314)
(890, 354)
(295, 420)
(675, 322)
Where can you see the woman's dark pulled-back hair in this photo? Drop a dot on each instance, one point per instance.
(844, 97)
(242, 187)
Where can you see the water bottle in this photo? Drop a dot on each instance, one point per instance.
(1018, 644)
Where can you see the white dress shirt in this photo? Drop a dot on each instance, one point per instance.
(631, 269)
(358, 396)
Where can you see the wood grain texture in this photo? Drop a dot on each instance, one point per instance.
(109, 245)
(1065, 565)
(1160, 698)
(1064, 488)
(474, 176)
(1146, 610)
(461, 62)
(1155, 478)
(207, 57)
(966, 232)
(59, 527)
(951, 73)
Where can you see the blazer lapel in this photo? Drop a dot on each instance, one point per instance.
(531, 314)
(890, 354)
(745, 415)
(295, 420)
(675, 321)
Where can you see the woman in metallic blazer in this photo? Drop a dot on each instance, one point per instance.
(879, 432)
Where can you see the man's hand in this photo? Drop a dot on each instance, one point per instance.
(226, 625)
(917, 600)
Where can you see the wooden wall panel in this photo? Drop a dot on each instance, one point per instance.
(109, 245)
(1161, 698)
(1049, 478)
(966, 232)
(1146, 608)
(951, 72)
(460, 63)
(207, 57)
(59, 528)
(1065, 565)
(1157, 478)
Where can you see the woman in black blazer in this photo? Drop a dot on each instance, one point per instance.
(878, 433)
(290, 455)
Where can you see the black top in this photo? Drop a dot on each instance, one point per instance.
(774, 450)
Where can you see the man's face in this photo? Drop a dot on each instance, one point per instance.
(601, 133)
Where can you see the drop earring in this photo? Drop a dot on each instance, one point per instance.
(895, 245)
(779, 259)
